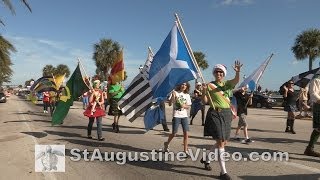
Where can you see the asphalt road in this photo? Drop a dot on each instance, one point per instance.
(23, 125)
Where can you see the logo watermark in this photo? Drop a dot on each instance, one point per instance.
(49, 158)
(122, 158)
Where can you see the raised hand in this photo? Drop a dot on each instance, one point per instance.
(237, 66)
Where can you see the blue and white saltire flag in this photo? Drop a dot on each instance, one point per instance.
(172, 65)
(254, 78)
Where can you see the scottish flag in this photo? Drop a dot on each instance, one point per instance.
(254, 78)
(172, 65)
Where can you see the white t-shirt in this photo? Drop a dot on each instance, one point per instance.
(183, 99)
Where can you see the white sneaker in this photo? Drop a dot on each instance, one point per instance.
(247, 141)
(166, 147)
(44, 111)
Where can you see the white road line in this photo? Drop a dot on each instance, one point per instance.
(47, 175)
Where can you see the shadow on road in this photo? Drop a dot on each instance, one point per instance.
(291, 177)
(18, 121)
(36, 134)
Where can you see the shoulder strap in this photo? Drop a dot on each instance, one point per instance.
(220, 92)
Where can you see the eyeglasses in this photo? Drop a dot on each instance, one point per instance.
(218, 72)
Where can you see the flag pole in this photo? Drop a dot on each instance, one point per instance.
(180, 28)
(85, 73)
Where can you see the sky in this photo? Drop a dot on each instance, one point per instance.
(60, 32)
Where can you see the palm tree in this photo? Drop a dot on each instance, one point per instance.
(8, 4)
(307, 45)
(5, 62)
(201, 60)
(62, 69)
(105, 53)
(48, 70)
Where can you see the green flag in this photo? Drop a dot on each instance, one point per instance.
(74, 88)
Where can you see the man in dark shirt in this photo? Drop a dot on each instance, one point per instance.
(243, 100)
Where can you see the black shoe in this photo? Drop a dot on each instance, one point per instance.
(225, 176)
(117, 129)
(190, 122)
(167, 130)
(206, 165)
(287, 129)
(89, 137)
(101, 139)
(113, 126)
(202, 124)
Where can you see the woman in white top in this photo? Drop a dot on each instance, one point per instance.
(181, 101)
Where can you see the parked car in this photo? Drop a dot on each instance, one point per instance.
(260, 101)
(3, 97)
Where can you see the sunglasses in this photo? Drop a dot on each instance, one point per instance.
(218, 72)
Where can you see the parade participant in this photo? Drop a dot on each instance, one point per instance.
(303, 101)
(46, 101)
(181, 101)
(315, 97)
(85, 99)
(243, 100)
(115, 92)
(52, 101)
(219, 115)
(197, 104)
(96, 97)
(290, 105)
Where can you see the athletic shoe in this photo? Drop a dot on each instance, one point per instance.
(247, 141)
(236, 137)
(225, 176)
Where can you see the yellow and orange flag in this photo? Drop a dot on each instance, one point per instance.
(117, 71)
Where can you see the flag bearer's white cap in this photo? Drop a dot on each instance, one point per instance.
(222, 67)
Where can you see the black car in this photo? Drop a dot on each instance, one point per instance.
(260, 101)
(3, 98)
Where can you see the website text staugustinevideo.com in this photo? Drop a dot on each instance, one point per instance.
(122, 158)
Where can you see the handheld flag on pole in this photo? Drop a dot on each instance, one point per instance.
(74, 88)
(254, 78)
(171, 65)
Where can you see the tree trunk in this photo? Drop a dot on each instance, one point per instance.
(310, 63)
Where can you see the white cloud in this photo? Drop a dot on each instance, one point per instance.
(34, 53)
(236, 2)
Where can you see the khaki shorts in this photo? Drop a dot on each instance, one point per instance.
(242, 120)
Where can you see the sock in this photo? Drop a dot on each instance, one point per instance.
(313, 138)
(212, 149)
(247, 137)
(222, 163)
